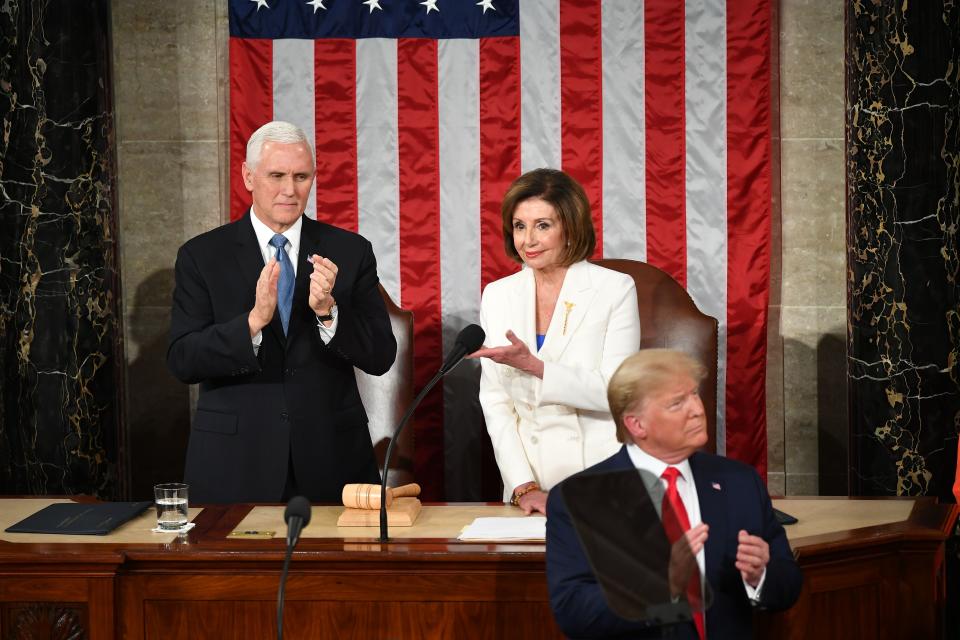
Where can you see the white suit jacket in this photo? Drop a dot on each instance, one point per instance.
(546, 430)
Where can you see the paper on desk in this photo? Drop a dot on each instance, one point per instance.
(529, 528)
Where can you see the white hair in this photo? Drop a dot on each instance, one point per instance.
(276, 131)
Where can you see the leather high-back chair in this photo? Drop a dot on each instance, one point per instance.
(386, 397)
(669, 319)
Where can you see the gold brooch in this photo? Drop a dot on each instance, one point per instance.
(568, 307)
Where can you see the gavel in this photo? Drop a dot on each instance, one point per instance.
(367, 496)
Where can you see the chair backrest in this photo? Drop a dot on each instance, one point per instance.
(670, 319)
(386, 397)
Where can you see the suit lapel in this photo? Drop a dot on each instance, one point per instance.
(524, 299)
(251, 264)
(712, 512)
(576, 296)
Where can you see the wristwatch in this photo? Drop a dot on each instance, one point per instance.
(329, 316)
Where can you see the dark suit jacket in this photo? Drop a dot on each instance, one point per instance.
(297, 396)
(741, 502)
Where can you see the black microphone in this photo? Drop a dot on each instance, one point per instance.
(297, 516)
(468, 340)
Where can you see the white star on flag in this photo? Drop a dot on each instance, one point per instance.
(373, 4)
(261, 3)
(486, 4)
(431, 5)
(316, 4)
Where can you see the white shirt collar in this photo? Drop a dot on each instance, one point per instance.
(265, 233)
(655, 466)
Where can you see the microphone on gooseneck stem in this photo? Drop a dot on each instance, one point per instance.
(468, 340)
(297, 516)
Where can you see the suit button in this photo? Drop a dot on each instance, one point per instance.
(534, 439)
(283, 415)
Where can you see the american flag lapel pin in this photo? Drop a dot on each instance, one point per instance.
(716, 486)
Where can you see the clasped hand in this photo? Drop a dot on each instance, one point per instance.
(753, 554)
(322, 279)
(515, 355)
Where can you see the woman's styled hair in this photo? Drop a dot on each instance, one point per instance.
(567, 198)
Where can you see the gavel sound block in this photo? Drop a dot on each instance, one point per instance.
(362, 502)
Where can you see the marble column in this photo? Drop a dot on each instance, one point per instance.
(60, 353)
(903, 259)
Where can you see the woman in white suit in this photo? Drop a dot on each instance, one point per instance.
(556, 332)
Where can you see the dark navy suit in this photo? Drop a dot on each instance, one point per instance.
(732, 497)
(296, 398)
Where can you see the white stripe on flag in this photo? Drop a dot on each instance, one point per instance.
(706, 184)
(539, 84)
(459, 121)
(293, 93)
(378, 157)
(624, 172)
(459, 115)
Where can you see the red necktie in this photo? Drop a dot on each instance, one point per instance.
(675, 523)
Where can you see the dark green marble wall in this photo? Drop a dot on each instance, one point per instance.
(59, 349)
(903, 259)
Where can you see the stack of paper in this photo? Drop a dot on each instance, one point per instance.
(529, 528)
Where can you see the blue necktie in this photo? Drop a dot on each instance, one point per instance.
(285, 285)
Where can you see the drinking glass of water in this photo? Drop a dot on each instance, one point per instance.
(171, 501)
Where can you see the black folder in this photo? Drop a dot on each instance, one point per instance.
(80, 518)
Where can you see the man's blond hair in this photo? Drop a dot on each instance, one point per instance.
(643, 374)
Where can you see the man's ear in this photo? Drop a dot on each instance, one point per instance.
(247, 174)
(634, 426)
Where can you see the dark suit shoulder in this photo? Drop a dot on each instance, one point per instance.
(721, 464)
(617, 462)
(328, 232)
(216, 237)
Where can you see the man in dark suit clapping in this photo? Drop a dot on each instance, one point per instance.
(270, 315)
(720, 506)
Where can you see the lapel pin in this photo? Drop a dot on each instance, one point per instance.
(715, 485)
(568, 307)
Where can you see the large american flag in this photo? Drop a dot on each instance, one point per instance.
(423, 112)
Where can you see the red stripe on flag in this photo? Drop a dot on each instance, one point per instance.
(251, 106)
(499, 148)
(335, 113)
(418, 137)
(581, 113)
(748, 224)
(665, 143)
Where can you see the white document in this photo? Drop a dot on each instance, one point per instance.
(526, 528)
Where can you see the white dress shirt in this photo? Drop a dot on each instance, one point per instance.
(267, 250)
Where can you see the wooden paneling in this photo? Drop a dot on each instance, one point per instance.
(255, 620)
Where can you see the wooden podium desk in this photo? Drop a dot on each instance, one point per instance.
(872, 568)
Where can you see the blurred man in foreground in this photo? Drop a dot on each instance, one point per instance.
(721, 507)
